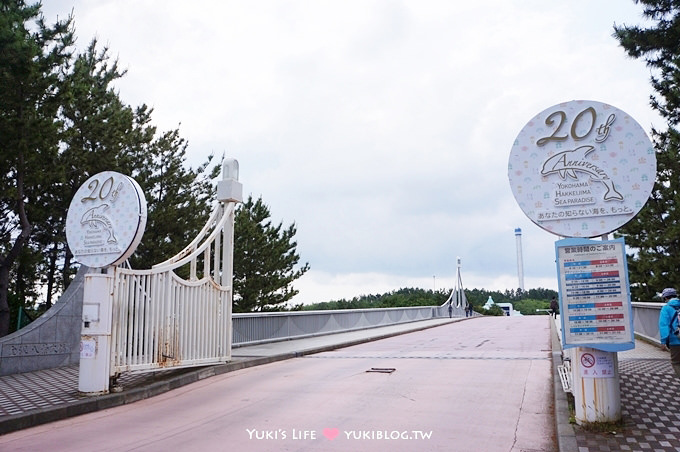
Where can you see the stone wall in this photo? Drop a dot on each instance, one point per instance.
(52, 340)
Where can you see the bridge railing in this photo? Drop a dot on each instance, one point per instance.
(256, 328)
(646, 320)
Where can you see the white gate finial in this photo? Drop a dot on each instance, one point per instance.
(230, 169)
(229, 189)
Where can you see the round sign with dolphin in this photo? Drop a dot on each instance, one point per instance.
(106, 219)
(582, 168)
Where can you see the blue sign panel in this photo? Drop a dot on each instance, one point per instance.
(594, 294)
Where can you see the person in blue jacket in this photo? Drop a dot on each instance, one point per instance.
(669, 340)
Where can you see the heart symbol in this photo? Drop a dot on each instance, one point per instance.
(331, 433)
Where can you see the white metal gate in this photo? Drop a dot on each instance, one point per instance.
(161, 320)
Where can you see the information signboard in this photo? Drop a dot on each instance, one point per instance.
(595, 308)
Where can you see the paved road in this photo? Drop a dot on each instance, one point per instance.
(483, 385)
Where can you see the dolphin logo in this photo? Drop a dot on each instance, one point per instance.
(567, 163)
(97, 219)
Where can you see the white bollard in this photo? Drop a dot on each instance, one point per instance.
(95, 339)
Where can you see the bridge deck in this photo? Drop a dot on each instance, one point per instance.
(483, 384)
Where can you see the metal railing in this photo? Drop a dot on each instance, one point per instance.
(646, 320)
(256, 328)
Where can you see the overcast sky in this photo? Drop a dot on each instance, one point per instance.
(381, 128)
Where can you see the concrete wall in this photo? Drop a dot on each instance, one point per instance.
(52, 340)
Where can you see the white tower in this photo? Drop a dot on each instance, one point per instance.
(457, 301)
(520, 261)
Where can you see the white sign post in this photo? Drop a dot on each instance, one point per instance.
(104, 225)
(583, 169)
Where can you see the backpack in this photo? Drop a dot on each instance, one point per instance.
(675, 326)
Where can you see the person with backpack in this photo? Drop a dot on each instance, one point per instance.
(668, 325)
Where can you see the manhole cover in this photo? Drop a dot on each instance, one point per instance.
(382, 370)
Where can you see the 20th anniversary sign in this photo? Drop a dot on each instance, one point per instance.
(106, 219)
(582, 168)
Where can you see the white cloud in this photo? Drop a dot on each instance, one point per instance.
(382, 128)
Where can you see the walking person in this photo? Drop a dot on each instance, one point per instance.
(668, 322)
(554, 307)
(450, 310)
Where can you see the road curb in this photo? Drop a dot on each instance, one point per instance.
(566, 437)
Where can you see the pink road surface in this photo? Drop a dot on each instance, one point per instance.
(478, 385)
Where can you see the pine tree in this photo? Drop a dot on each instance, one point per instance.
(104, 134)
(264, 260)
(654, 233)
(61, 121)
(97, 130)
(33, 57)
(178, 200)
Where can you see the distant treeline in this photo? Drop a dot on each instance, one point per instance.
(526, 301)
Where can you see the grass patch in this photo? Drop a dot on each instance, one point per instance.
(572, 408)
(604, 427)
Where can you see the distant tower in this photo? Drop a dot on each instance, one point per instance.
(520, 262)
